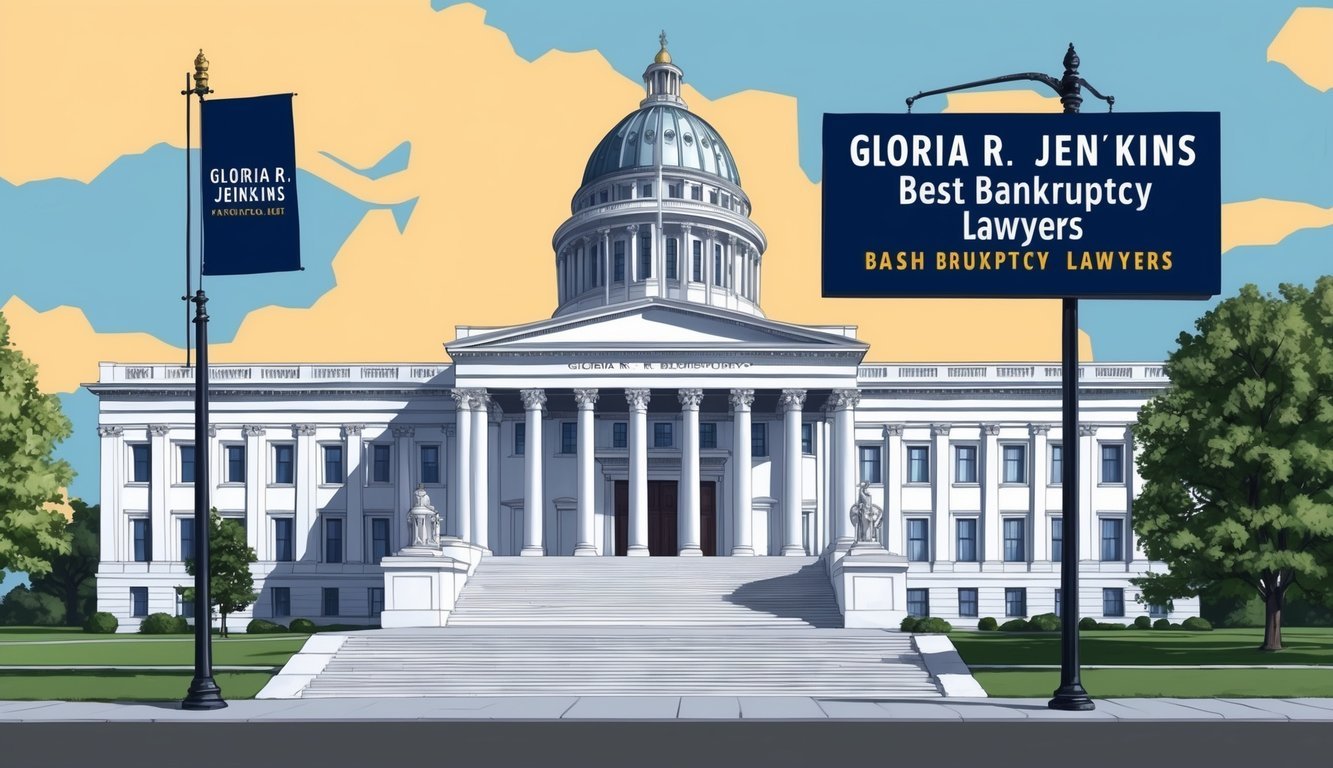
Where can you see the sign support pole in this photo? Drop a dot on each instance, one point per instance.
(1070, 695)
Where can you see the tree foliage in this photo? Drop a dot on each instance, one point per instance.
(231, 585)
(23, 607)
(73, 576)
(1237, 455)
(31, 424)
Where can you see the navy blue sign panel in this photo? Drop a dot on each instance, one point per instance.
(1018, 205)
(249, 186)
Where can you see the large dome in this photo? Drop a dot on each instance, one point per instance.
(662, 134)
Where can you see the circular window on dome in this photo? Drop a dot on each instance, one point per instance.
(704, 142)
(669, 135)
(648, 135)
(633, 136)
(687, 138)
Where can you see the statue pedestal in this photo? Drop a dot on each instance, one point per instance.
(871, 587)
(421, 584)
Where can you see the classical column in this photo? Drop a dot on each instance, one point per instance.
(256, 470)
(352, 486)
(990, 495)
(1041, 538)
(112, 484)
(844, 403)
(941, 476)
(638, 471)
(1132, 488)
(790, 404)
(1088, 536)
(586, 399)
(632, 268)
(481, 428)
(404, 487)
(447, 508)
(893, 489)
(306, 476)
(159, 482)
(689, 472)
(462, 463)
(534, 400)
(685, 255)
(742, 504)
(708, 264)
(605, 232)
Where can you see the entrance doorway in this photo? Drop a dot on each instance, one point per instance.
(664, 518)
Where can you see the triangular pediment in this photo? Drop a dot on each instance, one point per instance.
(656, 324)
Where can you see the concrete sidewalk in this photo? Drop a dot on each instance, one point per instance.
(659, 708)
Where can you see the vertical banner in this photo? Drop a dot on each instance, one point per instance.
(249, 186)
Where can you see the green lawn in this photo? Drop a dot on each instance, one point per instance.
(120, 685)
(163, 650)
(1302, 645)
(1182, 683)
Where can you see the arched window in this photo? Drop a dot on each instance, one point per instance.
(671, 271)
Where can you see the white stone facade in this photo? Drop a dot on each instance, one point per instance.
(733, 434)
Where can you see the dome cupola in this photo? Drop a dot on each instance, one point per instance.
(660, 211)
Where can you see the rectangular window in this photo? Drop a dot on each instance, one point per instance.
(674, 189)
(143, 542)
(187, 538)
(1014, 540)
(184, 608)
(967, 540)
(569, 437)
(967, 601)
(1015, 463)
(964, 463)
(236, 520)
(143, 465)
(1113, 464)
(1059, 604)
(520, 438)
(646, 190)
(662, 434)
(376, 600)
(619, 434)
(696, 192)
(918, 539)
(808, 439)
(1057, 539)
(1113, 534)
(1057, 464)
(624, 192)
(726, 200)
(707, 434)
(235, 464)
(619, 260)
(871, 467)
(138, 602)
(671, 271)
(645, 256)
(284, 464)
(712, 196)
(1113, 601)
(717, 264)
(918, 602)
(330, 601)
(380, 463)
(1157, 611)
(918, 464)
(1015, 601)
(379, 539)
(283, 551)
(759, 439)
(697, 266)
(333, 464)
(187, 463)
(430, 464)
(333, 540)
(282, 602)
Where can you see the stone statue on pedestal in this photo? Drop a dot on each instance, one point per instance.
(424, 521)
(866, 517)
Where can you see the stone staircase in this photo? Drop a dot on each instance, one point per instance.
(634, 626)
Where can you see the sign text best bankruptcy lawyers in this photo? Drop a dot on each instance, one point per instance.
(1019, 205)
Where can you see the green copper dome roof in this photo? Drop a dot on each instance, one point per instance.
(662, 134)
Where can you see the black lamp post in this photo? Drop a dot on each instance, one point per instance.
(1070, 695)
(204, 692)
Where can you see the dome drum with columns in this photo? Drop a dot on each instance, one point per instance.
(660, 212)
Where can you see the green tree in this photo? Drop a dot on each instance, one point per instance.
(1237, 454)
(30, 426)
(23, 607)
(73, 576)
(231, 585)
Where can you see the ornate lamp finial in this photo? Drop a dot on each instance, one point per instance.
(201, 74)
(663, 56)
(1071, 60)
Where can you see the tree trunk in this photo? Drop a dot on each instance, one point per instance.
(223, 633)
(1273, 621)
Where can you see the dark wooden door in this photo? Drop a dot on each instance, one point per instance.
(708, 517)
(662, 518)
(622, 518)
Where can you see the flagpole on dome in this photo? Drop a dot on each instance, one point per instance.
(204, 692)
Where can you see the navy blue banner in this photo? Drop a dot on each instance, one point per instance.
(249, 166)
(1018, 205)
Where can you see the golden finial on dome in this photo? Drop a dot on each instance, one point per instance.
(662, 57)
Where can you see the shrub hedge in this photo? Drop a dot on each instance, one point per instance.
(1196, 624)
(1014, 625)
(1044, 622)
(263, 627)
(933, 625)
(101, 623)
(1143, 622)
(163, 624)
(988, 624)
(302, 625)
(1161, 624)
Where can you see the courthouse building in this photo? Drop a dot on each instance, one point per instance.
(657, 412)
